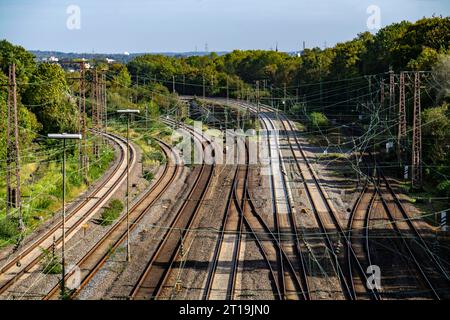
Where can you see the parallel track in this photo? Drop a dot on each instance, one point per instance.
(221, 284)
(96, 257)
(406, 242)
(46, 239)
(346, 283)
(155, 274)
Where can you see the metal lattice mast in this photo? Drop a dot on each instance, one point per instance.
(382, 93)
(391, 94)
(13, 195)
(401, 117)
(417, 136)
(99, 101)
(95, 113)
(105, 105)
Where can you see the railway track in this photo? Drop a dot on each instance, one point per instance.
(280, 247)
(29, 259)
(356, 238)
(221, 280)
(284, 216)
(397, 242)
(155, 274)
(96, 257)
(329, 224)
(430, 273)
(358, 235)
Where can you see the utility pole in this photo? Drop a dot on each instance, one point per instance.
(99, 102)
(94, 109)
(228, 94)
(173, 84)
(402, 118)
(417, 136)
(285, 98)
(146, 116)
(83, 121)
(13, 195)
(63, 137)
(204, 89)
(257, 100)
(391, 93)
(104, 105)
(212, 84)
(128, 113)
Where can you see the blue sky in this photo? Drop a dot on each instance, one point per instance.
(182, 25)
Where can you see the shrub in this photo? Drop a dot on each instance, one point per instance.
(148, 175)
(8, 228)
(112, 212)
(51, 263)
(318, 119)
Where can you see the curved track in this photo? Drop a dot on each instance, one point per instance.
(95, 258)
(152, 280)
(29, 259)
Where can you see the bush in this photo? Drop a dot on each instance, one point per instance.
(8, 228)
(318, 119)
(112, 212)
(444, 187)
(148, 175)
(51, 263)
(156, 156)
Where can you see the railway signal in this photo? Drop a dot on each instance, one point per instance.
(63, 137)
(128, 112)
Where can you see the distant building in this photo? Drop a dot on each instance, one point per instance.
(109, 60)
(53, 59)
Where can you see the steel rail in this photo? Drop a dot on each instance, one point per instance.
(96, 257)
(151, 281)
(49, 234)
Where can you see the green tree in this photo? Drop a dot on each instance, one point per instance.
(49, 99)
(24, 61)
(441, 72)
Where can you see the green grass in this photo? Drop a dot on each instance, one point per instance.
(8, 228)
(331, 156)
(112, 212)
(41, 189)
(145, 138)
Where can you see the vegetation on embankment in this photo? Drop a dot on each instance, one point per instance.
(42, 189)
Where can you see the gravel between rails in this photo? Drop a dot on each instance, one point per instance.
(117, 277)
(191, 270)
